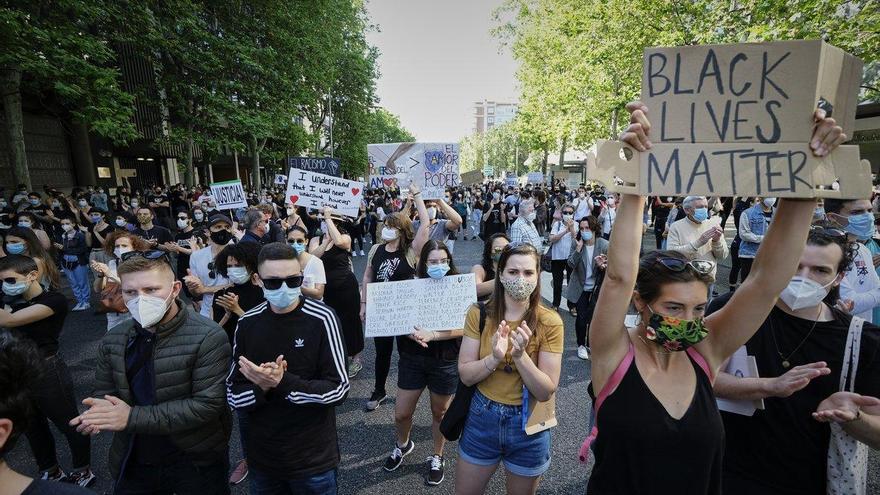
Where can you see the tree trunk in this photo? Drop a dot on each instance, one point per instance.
(10, 85)
(544, 163)
(255, 172)
(562, 153)
(188, 176)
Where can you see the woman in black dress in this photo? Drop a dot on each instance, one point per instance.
(341, 292)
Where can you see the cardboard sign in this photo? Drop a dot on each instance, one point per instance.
(314, 190)
(432, 166)
(489, 171)
(394, 308)
(323, 165)
(229, 195)
(280, 179)
(737, 119)
(535, 178)
(472, 177)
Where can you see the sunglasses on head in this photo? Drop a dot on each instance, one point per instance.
(702, 267)
(292, 282)
(518, 244)
(152, 254)
(828, 231)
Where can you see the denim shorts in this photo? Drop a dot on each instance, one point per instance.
(494, 432)
(416, 372)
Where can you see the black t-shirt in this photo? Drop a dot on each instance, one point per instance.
(158, 233)
(107, 230)
(390, 267)
(185, 240)
(161, 211)
(249, 295)
(42, 487)
(494, 217)
(44, 333)
(782, 449)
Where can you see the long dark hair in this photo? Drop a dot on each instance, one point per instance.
(433, 245)
(496, 306)
(487, 263)
(36, 250)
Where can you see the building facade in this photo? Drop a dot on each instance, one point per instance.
(488, 114)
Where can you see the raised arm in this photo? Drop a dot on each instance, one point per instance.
(421, 237)
(451, 215)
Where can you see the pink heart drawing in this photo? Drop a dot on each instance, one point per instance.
(355, 191)
(294, 198)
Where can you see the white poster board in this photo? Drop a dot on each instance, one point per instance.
(394, 308)
(741, 365)
(510, 180)
(432, 166)
(535, 178)
(229, 195)
(280, 179)
(314, 190)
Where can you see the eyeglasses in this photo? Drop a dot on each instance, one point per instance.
(703, 267)
(444, 261)
(829, 231)
(183, 218)
(152, 254)
(292, 282)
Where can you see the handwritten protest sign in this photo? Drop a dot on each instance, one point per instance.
(535, 178)
(510, 180)
(228, 195)
(432, 166)
(472, 177)
(314, 190)
(737, 119)
(394, 308)
(322, 165)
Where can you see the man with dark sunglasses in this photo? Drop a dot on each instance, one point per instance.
(799, 351)
(288, 375)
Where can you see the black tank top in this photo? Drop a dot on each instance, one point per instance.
(641, 449)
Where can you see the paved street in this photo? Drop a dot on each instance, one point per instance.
(367, 438)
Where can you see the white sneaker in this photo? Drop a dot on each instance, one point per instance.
(584, 352)
(362, 253)
(354, 253)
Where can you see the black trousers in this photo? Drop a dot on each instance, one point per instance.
(181, 477)
(733, 277)
(559, 269)
(357, 234)
(745, 266)
(384, 349)
(659, 226)
(585, 314)
(55, 402)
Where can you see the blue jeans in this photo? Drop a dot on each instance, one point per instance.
(79, 283)
(494, 432)
(318, 484)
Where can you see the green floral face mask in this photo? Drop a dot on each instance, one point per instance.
(675, 334)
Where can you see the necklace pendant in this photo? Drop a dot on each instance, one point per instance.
(786, 364)
(508, 369)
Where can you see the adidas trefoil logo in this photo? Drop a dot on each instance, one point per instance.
(299, 342)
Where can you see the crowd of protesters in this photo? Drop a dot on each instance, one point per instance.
(254, 317)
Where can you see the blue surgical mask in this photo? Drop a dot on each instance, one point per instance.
(861, 225)
(25, 224)
(438, 271)
(701, 214)
(819, 213)
(34, 201)
(587, 235)
(281, 297)
(15, 289)
(238, 274)
(298, 247)
(15, 247)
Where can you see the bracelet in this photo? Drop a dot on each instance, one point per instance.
(487, 366)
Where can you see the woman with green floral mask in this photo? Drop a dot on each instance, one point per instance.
(654, 411)
(484, 273)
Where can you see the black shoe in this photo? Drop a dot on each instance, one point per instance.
(396, 458)
(81, 478)
(435, 469)
(55, 475)
(376, 399)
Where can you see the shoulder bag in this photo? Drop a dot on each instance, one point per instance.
(847, 466)
(453, 421)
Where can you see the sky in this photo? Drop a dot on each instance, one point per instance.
(436, 59)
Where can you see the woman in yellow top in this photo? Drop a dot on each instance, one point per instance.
(515, 359)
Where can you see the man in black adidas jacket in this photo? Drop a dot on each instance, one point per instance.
(288, 373)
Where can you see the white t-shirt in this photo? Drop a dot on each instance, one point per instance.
(561, 248)
(589, 280)
(862, 285)
(313, 273)
(198, 263)
(583, 206)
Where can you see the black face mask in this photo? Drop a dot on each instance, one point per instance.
(221, 237)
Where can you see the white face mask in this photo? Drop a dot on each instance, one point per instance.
(121, 222)
(67, 227)
(804, 293)
(237, 274)
(432, 213)
(389, 234)
(118, 252)
(769, 202)
(181, 223)
(531, 216)
(198, 216)
(147, 310)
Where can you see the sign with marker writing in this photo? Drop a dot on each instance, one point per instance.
(229, 195)
(432, 166)
(737, 120)
(510, 180)
(535, 178)
(314, 190)
(322, 165)
(394, 308)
